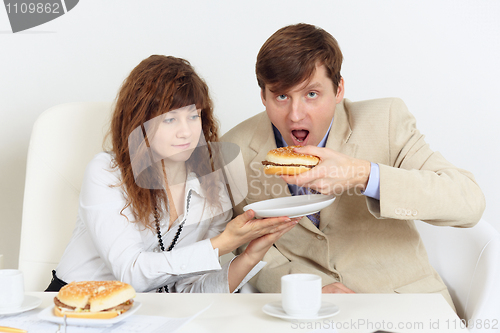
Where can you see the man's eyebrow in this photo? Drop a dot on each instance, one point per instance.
(313, 85)
(274, 91)
(309, 86)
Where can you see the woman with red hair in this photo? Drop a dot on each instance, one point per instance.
(154, 210)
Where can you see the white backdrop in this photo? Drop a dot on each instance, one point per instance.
(440, 57)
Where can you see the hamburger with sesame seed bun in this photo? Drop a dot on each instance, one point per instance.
(284, 161)
(94, 299)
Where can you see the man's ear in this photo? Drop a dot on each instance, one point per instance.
(263, 96)
(340, 91)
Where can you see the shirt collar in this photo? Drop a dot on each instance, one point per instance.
(193, 183)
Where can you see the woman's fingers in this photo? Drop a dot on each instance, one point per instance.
(282, 228)
(273, 225)
(245, 228)
(278, 229)
(258, 247)
(277, 235)
(245, 217)
(267, 240)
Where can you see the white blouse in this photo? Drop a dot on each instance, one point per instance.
(106, 246)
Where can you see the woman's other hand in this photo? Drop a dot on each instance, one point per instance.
(255, 251)
(258, 247)
(244, 229)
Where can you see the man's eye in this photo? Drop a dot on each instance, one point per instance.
(281, 97)
(312, 94)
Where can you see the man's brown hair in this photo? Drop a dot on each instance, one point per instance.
(290, 55)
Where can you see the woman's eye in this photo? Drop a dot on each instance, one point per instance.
(194, 117)
(168, 120)
(312, 94)
(281, 97)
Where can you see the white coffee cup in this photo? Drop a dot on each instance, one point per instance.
(11, 288)
(301, 294)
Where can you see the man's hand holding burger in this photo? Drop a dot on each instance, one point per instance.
(334, 174)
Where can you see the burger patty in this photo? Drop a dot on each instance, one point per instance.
(120, 307)
(60, 304)
(290, 165)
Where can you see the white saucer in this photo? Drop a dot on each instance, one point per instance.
(295, 206)
(29, 303)
(48, 314)
(276, 310)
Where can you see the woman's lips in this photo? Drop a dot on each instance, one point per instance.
(184, 146)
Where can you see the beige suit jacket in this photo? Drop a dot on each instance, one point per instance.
(370, 246)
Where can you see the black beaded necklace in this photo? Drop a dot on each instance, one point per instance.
(176, 237)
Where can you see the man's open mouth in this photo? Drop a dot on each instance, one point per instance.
(300, 135)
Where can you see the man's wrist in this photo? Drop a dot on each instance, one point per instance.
(372, 189)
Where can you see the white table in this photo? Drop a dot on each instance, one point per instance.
(358, 312)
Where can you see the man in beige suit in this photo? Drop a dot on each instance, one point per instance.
(372, 157)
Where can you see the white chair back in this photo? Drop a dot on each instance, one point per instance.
(64, 139)
(468, 260)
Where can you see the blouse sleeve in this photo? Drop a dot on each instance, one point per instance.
(212, 282)
(215, 282)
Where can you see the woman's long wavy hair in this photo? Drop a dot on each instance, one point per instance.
(157, 85)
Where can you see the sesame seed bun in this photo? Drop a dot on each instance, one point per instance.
(284, 161)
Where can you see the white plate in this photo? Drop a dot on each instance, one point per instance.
(48, 314)
(295, 206)
(29, 303)
(276, 310)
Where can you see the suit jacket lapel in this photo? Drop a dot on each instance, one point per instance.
(338, 140)
(262, 142)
